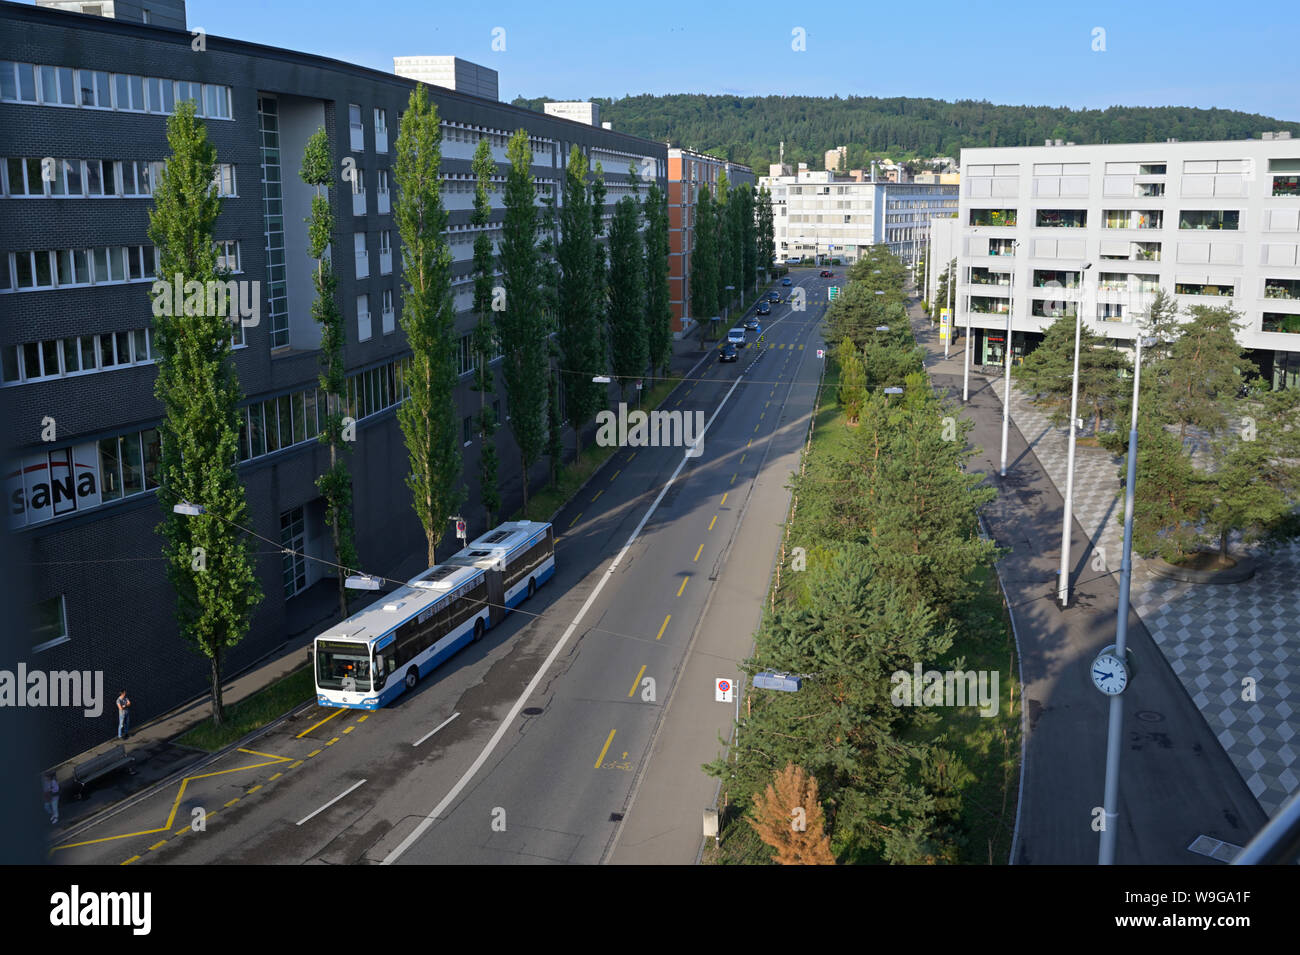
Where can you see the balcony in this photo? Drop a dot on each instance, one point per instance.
(1110, 312)
(1212, 291)
(381, 139)
(1047, 278)
(1062, 219)
(363, 326)
(1005, 247)
(357, 137)
(358, 203)
(1149, 190)
(363, 265)
(1286, 185)
(982, 305)
(1133, 219)
(1053, 309)
(998, 218)
(385, 207)
(980, 276)
(1282, 288)
(389, 321)
(1281, 322)
(1212, 219)
(386, 263)
(1137, 252)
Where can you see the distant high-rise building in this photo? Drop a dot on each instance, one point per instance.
(449, 72)
(158, 13)
(837, 158)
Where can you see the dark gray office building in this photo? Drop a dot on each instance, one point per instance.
(84, 102)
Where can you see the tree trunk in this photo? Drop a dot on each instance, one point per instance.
(218, 709)
(1223, 543)
(525, 464)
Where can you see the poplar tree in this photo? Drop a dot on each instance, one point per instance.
(704, 260)
(630, 347)
(522, 325)
(483, 340)
(725, 252)
(209, 562)
(428, 416)
(748, 239)
(658, 308)
(335, 485)
(581, 297)
(766, 231)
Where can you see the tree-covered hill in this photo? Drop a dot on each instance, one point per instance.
(748, 129)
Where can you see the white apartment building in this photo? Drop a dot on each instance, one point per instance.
(1213, 223)
(944, 243)
(820, 215)
(588, 113)
(449, 72)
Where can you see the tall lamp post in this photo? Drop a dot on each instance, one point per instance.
(1063, 589)
(1115, 727)
(1006, 348)
(965, 372)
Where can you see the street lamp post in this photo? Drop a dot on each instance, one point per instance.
(1006, 348)
(965, 372)
(952, 280)
(1063, 590)
(1115, 727)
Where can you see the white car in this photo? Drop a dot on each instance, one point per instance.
(737, 337)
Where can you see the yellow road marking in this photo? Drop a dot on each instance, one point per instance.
(733, 479)
(231, 803)
(724, 500)
(616, 474)
(755, 428)
(801, 348)
(253, 790)
(575, 520)
(183, 829)
(762, 415)
(362, 719)
(637, 681)
(275, 777)
(683, 586)
(299, 763)
(314, 752)
(749, 442)
(742, 459)
(598, 494)
(348, 729)
(698, 553)
(605, 749)
(333, 741)
(663, 626)
(714, 521)
(337, 712)
(130, 860)
(180, 794)
(158, 844)
(633, 454)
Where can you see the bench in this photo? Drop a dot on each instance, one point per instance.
(99, 766)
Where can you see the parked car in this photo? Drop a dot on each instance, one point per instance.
(787, 282)
(728, 352)
(763, 309)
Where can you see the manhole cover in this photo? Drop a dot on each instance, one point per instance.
(533, 711)
(1149, 716)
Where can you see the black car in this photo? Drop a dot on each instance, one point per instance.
(728, 352)
(763, 309)
(774, 296)
(751, 324)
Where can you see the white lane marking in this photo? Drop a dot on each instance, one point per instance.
(332, 801)
(435, 729)
(555, 652)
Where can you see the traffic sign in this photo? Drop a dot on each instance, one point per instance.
(723, 690)
(833, 292)
(821, 353)
(460, 528)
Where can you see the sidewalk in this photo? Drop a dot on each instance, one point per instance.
(152, 744)
(1176, 781)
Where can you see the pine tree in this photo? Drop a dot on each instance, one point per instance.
(852, 385)
(483, 340)
(1048, 371)
(335, 485)
(630, 346)
(1202, 371)
(789, 818)
(428, 416)
(209, 562)
(658, 308)
(522, 324)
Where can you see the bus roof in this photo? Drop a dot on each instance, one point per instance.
(413, 598)
(498, 544)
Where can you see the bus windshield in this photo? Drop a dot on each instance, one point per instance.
(342, 666)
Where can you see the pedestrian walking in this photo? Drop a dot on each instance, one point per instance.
(50, 786)
(123, 715)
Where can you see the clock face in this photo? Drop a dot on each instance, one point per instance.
(1109, 674)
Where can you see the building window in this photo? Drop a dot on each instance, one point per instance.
(1188, 288)
(293, 563)
(273, 221)
(1062, 219)
(49, 624)
(356, 130)
(993, 217)
(363, 318)
(390, 324)
(224, 179)
(361, 254)
(381, 131)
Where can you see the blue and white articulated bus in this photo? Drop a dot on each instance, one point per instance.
(374, 655)
(518, 557)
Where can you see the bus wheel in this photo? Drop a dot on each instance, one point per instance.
(532, 587)
(478, 629)
(412, 678)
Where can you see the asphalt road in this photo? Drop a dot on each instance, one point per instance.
(532, 746)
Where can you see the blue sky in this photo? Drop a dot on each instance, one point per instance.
(1157, 53)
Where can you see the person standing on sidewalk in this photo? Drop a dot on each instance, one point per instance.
(50, 786)
(123, 715)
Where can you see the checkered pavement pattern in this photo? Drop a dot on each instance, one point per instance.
(1225, 642)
